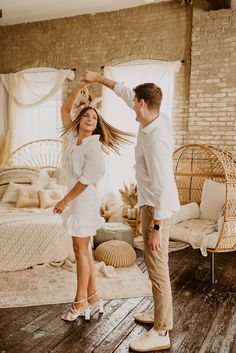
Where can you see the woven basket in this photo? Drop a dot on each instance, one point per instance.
(116, 253)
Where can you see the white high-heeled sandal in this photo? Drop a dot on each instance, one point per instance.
(73, 313)
(98, 303)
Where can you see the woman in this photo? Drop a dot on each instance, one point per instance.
(88, 136)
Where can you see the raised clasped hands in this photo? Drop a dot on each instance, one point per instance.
(90, 76)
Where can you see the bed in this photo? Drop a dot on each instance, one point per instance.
(30, 233)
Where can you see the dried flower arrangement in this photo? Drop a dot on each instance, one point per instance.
(105, 211)
(129, 195)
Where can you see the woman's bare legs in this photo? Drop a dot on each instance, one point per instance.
(83, 267)
(92, 288)
(86, 280)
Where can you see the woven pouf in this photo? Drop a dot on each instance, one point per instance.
(114, 231)
(116, 253)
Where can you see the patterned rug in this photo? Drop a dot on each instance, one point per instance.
(54, 285)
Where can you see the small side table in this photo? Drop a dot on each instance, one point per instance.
(134, 224)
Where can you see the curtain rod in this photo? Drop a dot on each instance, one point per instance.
(182, 61)
(34, 72)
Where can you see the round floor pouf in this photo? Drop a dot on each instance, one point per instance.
(116, 253)
(114, 231)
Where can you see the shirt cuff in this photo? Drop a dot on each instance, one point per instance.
(161, 215)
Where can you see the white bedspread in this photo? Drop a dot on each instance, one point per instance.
(31, 236)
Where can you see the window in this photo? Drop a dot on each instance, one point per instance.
(36, 122)
(120, 169)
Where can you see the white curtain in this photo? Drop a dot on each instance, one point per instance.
(119, 169)
(31, 95)
(3, 115)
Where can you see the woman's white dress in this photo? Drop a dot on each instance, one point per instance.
(84, 163)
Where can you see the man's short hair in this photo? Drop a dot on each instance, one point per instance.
(150, 93)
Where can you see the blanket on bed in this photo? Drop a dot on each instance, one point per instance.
(30, 237)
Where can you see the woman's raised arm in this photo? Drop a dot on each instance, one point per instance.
(67, 105)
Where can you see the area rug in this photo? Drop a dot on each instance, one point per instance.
(52, 285)
(173, 245)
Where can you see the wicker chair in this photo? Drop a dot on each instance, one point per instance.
(192, 165)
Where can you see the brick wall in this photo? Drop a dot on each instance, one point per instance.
(212, 110)
(160, 31)
(205, 86)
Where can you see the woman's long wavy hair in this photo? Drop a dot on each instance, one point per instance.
(111, 137)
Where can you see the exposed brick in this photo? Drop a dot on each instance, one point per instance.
(205, 92)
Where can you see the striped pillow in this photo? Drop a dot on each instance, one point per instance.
(11, 193)
(23, 175)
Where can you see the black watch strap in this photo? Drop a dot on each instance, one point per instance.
(156, 226)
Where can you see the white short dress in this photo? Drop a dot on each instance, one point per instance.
(84, 163)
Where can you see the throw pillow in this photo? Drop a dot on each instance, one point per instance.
(11, 193)
(54, 186)
(61, 176)
(188, 211)
(213, 200)
(49, 198)
(27, 198)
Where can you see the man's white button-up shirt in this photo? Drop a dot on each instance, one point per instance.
(153, 163)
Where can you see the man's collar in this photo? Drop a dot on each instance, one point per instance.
(150, 127)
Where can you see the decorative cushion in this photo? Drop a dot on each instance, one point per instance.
(213, 200)
(54, 186)
(41, 184)
(61, 176)
(44, 175)
(188, 211)
(114, 231)
(27, 198)
(11, 193)
(49, 198)
(116, 253)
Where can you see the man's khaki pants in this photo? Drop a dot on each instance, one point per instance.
(158, 270)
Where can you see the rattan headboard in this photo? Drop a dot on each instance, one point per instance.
(40, 153)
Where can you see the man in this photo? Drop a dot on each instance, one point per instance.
(157, 198)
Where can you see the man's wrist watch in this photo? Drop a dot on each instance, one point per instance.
(156, 226)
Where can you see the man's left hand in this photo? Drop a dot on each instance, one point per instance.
(155, 240)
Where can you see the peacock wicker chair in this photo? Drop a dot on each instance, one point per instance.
(40, 153)
(193, 164)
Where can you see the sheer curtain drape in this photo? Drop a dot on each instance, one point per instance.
(30, 102)
(119, 169)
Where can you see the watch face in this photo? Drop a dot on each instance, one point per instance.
(156, 226)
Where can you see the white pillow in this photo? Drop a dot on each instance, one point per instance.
(188, 211)
(39, 183)
(61, 176)
(213, 200)
(12, 190)
(27, 198)
(43, 175)
(220, 224)
(49, 198)
(55, 186)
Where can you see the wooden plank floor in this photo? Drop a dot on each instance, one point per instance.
(204, 315)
